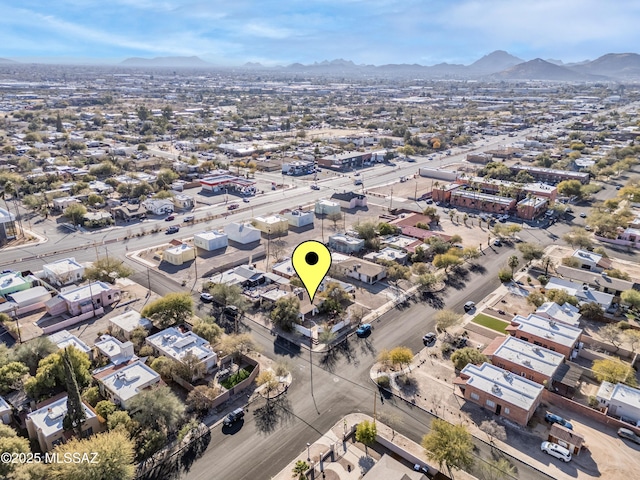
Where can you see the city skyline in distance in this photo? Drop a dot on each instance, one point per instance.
(375, 32)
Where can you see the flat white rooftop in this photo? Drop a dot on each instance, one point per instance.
(130, 320)
(64, 338)
(63, 266)
(127, 381)
(529, 355)
(211, 235)
(175, 344)
(495, 381)
(49, 418)
(556, 332)
(627, 395)
(85, 292)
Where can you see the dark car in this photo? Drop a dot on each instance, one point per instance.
(553, 418)
(231, 311)
(233, 206)
(629, 435)
(469, 306)
(429, 339)
(172, 229)
(169, 218)
(363, 330)
(233, 417)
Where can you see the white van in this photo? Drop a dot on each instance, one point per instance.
(556, 450)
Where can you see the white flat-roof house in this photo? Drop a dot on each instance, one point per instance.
(179, 254)
(114, 350)
(158, 206)
(345, 243)
(45, 423)
(565, 313)
(546, 333)
(183, 201)
(128, 321)
(64, 339)
(242, 233)
(582, 292)
(500, 391)
(621, 401)
(299, 218)
(325, 207)
(122, 383)
(272, 224)
(211, 240)
(173, 343)
(63, 272)
(387, 254)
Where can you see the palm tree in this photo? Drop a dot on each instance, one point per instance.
(300, 469)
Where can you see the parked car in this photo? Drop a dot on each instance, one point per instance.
(497, 242)
(206, 297)
(233, 206)
(583, 215)
(315, 187)
(233, 417)
(231, 311)
(556, 450)
(172, 229)
(169, 218)
(188, 218)
(553, 418)
(629, 435)
(429, 339)
(364, 330)
(245, 200)
(469, 306)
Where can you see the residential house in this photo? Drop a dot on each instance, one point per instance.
(211, 240)
(247, 276)
(510, 396)
(63, 202)
(175, 344)
(122, 383)
(272, 224)
(591, 261)
(325, 207)
(11, 282)
(7, 225)
(546, 333)
(26, 300)
(83, 299)
(63, 272)
(299, 218)
(597, 281)
(582, 292)
(113, 350)
(349, 200)
(367, 272)
(566, 313)
(182, 201)
(179, 254)
(345, 243)
(45, 423)
(158, 206)
(621, 401)
(388, 468)
(63, 339)
(388, 254)
(5, 411)
(566, 438)
(122, 325)
(242, 233)
(524, 359)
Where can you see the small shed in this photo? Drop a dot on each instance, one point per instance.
(566, 438)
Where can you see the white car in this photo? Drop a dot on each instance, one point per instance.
(556, 450)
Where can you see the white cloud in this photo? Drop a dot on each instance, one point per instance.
(266, 31)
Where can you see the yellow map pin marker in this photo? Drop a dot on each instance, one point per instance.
(311, 261)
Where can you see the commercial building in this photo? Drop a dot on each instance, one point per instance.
(158, 206)
(325, 207)
(499, 391)
(275, 224)
(242, 233)
(46, 423)
(7, 225)
(344, 162)
(551, 175)
(349, 200)
(299, 218)
(175, 344)
(388, 254)
(179, 254)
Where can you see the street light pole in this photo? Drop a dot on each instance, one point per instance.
(308, 451)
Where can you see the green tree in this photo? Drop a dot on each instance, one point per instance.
(166, 177)
(268, 381)
(530, 251)
(157, 409)
(208, 330)
(561, 297)
(578, 237)
(446, 261)
(366, 433)
(300, 468)
(163, 366)
(11, 443)
(614, 370)
(612, 333)
(397, 272)
(120, 420)
(75, 212)
(236, 344)
(449, 445)
(114, 450)
(446, 319)
(91, 395)
(12, 375)
(536, 299)
(51, 372)
(570, 188)
(385, 228)
(616, 273)
(286, 311)
(201, 399)
(461, 358)
(75, 415)
(105, 408)
(513, 263)
(400, 356)
(505, 275)
(631, 298)
(226, 295)
(169, 310)
(591, 311)
(108, 270)
(497, 469)
(428, 281)
(470, 253)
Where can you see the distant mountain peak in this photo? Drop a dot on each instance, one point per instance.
(539, 69)
(494, 62)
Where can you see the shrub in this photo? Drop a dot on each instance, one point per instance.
(593, 401)
(383, 381)
(543, 279)
(505, 275)
(446, 347)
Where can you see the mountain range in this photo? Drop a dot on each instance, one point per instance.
(498, 65)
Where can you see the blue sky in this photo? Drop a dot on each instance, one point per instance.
(233, 32)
